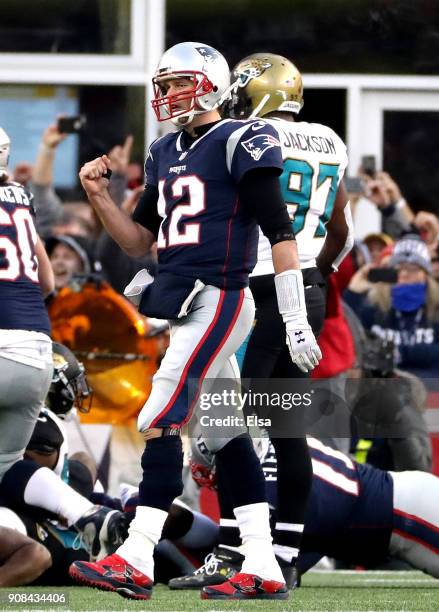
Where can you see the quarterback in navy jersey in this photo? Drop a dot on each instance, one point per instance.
(208, 186)
(197, 183)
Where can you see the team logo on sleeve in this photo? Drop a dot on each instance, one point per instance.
(257, 145)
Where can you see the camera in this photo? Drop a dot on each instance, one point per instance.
(378, 357)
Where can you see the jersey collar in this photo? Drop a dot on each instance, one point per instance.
(185, 142)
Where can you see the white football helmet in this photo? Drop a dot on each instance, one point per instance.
(4, 152)
(205, 67)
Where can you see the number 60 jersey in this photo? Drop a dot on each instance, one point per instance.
(315, 160)
(22, 306)
(205, 232)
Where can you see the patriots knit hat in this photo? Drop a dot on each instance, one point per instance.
(411, 249)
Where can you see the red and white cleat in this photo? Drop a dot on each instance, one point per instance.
(113, 574)
(246, 586)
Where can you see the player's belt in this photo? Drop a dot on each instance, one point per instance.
(171, 431)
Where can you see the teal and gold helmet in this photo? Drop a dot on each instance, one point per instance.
(265, 83)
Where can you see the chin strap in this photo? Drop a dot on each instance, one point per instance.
(227, 92)
(260, 106)
(224, 96)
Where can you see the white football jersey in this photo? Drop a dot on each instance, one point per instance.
(315, 160)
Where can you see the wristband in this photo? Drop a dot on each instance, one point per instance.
(290, 293)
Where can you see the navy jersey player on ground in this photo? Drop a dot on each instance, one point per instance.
(361, 514)
(269, 86)
(207, 188)
(355, 513)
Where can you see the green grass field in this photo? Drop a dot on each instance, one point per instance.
(321, 591)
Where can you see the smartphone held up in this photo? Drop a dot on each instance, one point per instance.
(71, 125)
(382, 275)
(369, 165)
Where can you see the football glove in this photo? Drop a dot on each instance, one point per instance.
(304, 350)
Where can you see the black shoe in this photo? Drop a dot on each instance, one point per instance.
(101, 531)
(219, 566)
(290, 573)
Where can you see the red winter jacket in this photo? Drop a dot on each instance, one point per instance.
(335, 340)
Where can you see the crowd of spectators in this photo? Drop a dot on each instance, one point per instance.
(74, 237)
(387, 288)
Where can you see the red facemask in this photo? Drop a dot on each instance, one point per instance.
(201, 87)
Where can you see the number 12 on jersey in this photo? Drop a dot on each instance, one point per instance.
(299, 190)
(180, 231)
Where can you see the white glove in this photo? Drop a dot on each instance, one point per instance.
(304, 350)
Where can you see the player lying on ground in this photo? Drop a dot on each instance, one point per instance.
(356, 513)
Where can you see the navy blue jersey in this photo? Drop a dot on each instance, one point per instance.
(350, 510)
(22, 304)
(205, 233)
